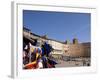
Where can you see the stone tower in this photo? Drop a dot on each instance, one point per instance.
(66, 42)
(75, 41)
(45, 36)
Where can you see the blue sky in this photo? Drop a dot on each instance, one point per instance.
(60, 26)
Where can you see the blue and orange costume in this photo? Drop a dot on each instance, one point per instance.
(43, 54)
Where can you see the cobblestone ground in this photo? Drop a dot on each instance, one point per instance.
(74, 63)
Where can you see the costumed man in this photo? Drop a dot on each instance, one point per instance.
(47, 63)
(35, 57)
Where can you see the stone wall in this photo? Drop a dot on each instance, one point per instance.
(78, 50)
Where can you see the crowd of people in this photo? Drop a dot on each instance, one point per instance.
(37, 57)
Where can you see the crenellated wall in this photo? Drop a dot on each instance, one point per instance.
(78, 50)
